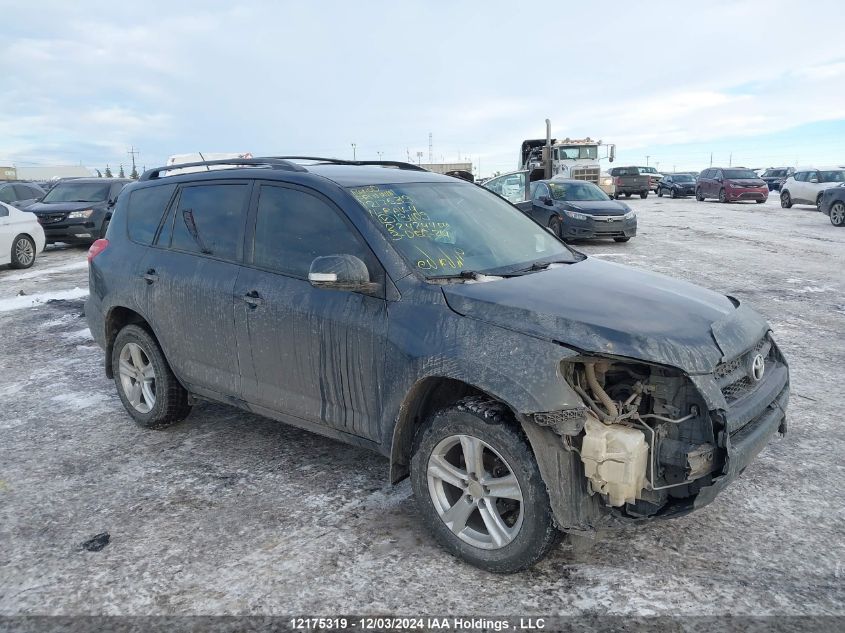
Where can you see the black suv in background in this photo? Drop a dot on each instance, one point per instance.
(78, 210)
(523, 386)
(774, 177)
(20, 194)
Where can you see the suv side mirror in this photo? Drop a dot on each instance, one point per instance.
(547, 201)
(341, 272)
(815, 181)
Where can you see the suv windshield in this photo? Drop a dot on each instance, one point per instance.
(576, 191)
(832, 176)
(443, 229)
(683, 178)
(78, 192)
(739, 174)
(775, 173)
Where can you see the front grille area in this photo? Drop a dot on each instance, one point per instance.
(590, 174)
(734, 376)
(51, 218)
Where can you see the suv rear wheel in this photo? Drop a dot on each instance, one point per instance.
(698, 195)
(819, 202)
(785, 200)
(837, 214)
(644, 194)
(145, 383)
(478, 488)
(723, 197)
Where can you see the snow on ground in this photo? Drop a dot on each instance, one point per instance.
(232, 513)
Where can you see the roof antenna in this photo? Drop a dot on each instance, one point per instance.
(207, 168)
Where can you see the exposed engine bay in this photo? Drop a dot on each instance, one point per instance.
(646, 437)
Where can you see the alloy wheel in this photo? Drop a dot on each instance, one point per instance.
(137, 377)
(24, 252)
(475, 492)
(837, 214)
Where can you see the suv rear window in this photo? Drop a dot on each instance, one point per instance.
(209, 220)
(144, 212)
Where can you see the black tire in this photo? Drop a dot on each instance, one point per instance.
(698, 195)
(627, 195)
(660, 193)
(643, 194)
(556, 226)
(723, 197)
(105, 228)
(837, 214)
(819, 202)
(23, 252)
(673, 193)
(616, 196)
(171, 398)
(785, 200)
(492, 423)
(759, 201)
(621, 239)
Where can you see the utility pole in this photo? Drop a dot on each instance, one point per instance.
(379, 154)
(730, 159)
(711, 159)
(419, 158)
(646, 159)
(430, 149)
(132, 151)
(353, 151)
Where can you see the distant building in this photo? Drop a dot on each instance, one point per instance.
(48, 172)
(8, 173)
(443, 168)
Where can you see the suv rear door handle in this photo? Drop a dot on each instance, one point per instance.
(253, 298)
(150, 276)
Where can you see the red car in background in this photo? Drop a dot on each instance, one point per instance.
(730, 185)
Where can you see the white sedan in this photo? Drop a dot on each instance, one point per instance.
(21, 237)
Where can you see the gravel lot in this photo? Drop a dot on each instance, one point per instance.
(228, 513)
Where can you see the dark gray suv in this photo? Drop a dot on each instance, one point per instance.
(525, 388)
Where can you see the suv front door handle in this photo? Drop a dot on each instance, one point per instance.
(253, 299)
(150, 276)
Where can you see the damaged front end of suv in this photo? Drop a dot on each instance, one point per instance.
(651, 440)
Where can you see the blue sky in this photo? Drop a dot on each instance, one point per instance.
(84, 81)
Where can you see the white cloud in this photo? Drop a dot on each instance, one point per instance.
(85, 83)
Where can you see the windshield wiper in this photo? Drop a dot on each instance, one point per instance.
(542, 265)
(464, 274)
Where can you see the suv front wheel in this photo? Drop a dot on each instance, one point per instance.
(145, 383)
(785, 200)
(478, 488)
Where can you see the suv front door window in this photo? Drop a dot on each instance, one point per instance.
(315, 353)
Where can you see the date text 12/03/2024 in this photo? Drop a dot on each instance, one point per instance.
(418, 623)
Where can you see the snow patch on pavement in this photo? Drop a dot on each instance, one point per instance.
(79, 400)
(79, 336)
(30, 301)
(33, 274)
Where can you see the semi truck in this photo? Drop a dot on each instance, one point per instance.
(567, 158)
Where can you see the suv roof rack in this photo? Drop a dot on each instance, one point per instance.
(340, 161)
(271, 162)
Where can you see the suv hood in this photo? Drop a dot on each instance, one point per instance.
(56, 207)
(606, 308)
